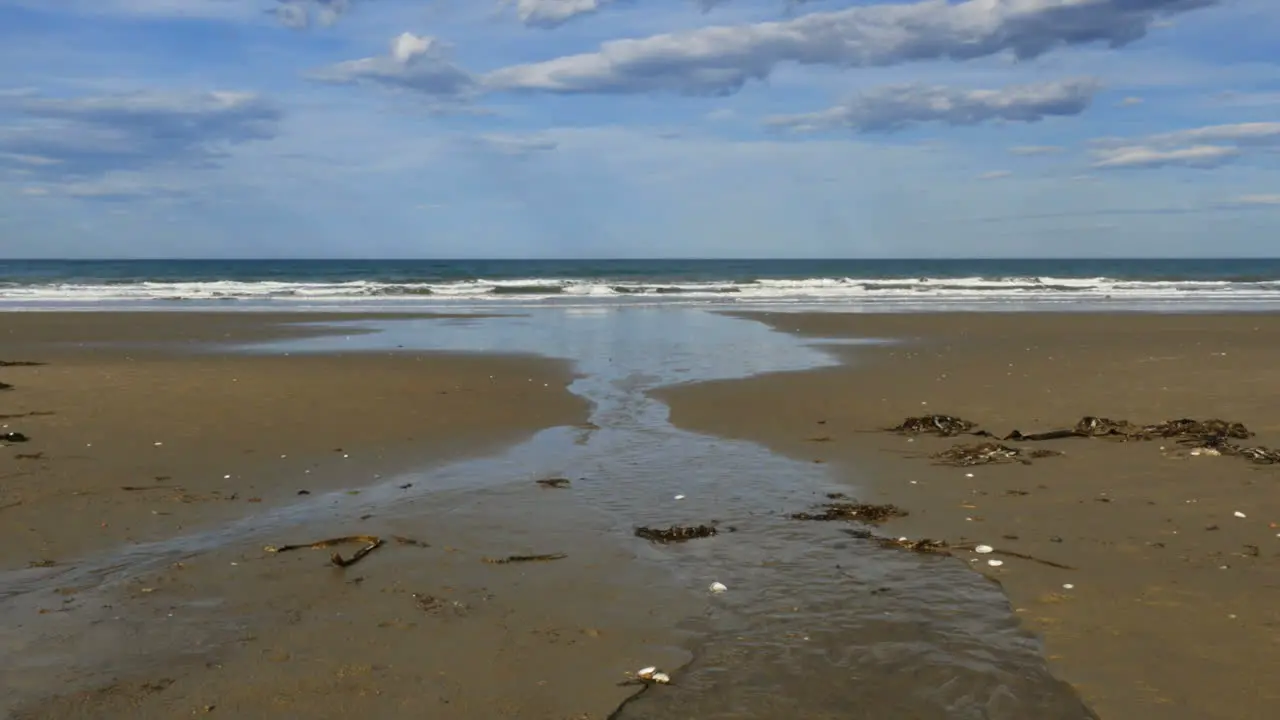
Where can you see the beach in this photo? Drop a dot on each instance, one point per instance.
(151, 436)
(133, 448)
(158, 523)
(1169, 606)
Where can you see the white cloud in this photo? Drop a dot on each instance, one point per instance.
(1256, 133)
(414, 63)
(74, 140)
(1233, 98)
(1203, 147)
(550, 13)
(1032, 150)
(720, 60)
(994, 175)
(1130, 101)
(195, 9)
(1258, 200)
(112, 187)
(517, 145)
(1144, 156)
(896, 107)
(301, 13)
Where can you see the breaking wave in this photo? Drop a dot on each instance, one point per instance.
(814, 290)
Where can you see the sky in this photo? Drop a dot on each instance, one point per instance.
(639, 128)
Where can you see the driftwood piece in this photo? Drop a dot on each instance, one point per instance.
(676, 533)
(852, 511)
(524, 558)
(33, 413)
(19, 363)
(557, 483)
(371, 543)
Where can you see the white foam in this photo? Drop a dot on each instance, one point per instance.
(812, 290)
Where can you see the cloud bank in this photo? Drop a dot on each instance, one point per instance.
(73, 139)
(414, 62)
(1204, 147)
(720, 60)
(899, 106)
(552, 13)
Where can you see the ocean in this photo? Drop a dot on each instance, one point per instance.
(813, 284)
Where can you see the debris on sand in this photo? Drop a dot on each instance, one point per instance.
(524, 558)
(19, 363)
(941, 425)
(1260, 455)
(33, 413)
(852, 511)
(5, 386)
(433, 605)
(647, 676)
(557, 482)
(1182, 429)
(371, 543)
(13, 437)
(986, 454)
(402, 540)
(924, 545)
(676, 533)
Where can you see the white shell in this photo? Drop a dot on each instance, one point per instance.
(984, 549)
(660, 678)
(1240, 514)
(646, 673)
(717, 587)
(679, 497)
(995, 563)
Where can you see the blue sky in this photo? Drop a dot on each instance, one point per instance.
(634, 128)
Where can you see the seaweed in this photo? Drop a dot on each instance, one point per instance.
(852, 511)
(941, 425)
(676, 533)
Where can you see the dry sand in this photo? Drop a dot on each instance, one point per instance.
(1174, 606)
(160, 439)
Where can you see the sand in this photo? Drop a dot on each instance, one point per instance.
(199, 438)
(135, 449)
(1173, 609)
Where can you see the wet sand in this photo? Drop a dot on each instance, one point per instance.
(200, 438)
(131, 447)
(1174, 604)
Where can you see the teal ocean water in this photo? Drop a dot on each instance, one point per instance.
(412, 283)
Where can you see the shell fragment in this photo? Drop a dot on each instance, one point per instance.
(717, 588)
(995, 563)
(984, 549)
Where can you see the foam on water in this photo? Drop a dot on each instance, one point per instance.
(559, 291)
